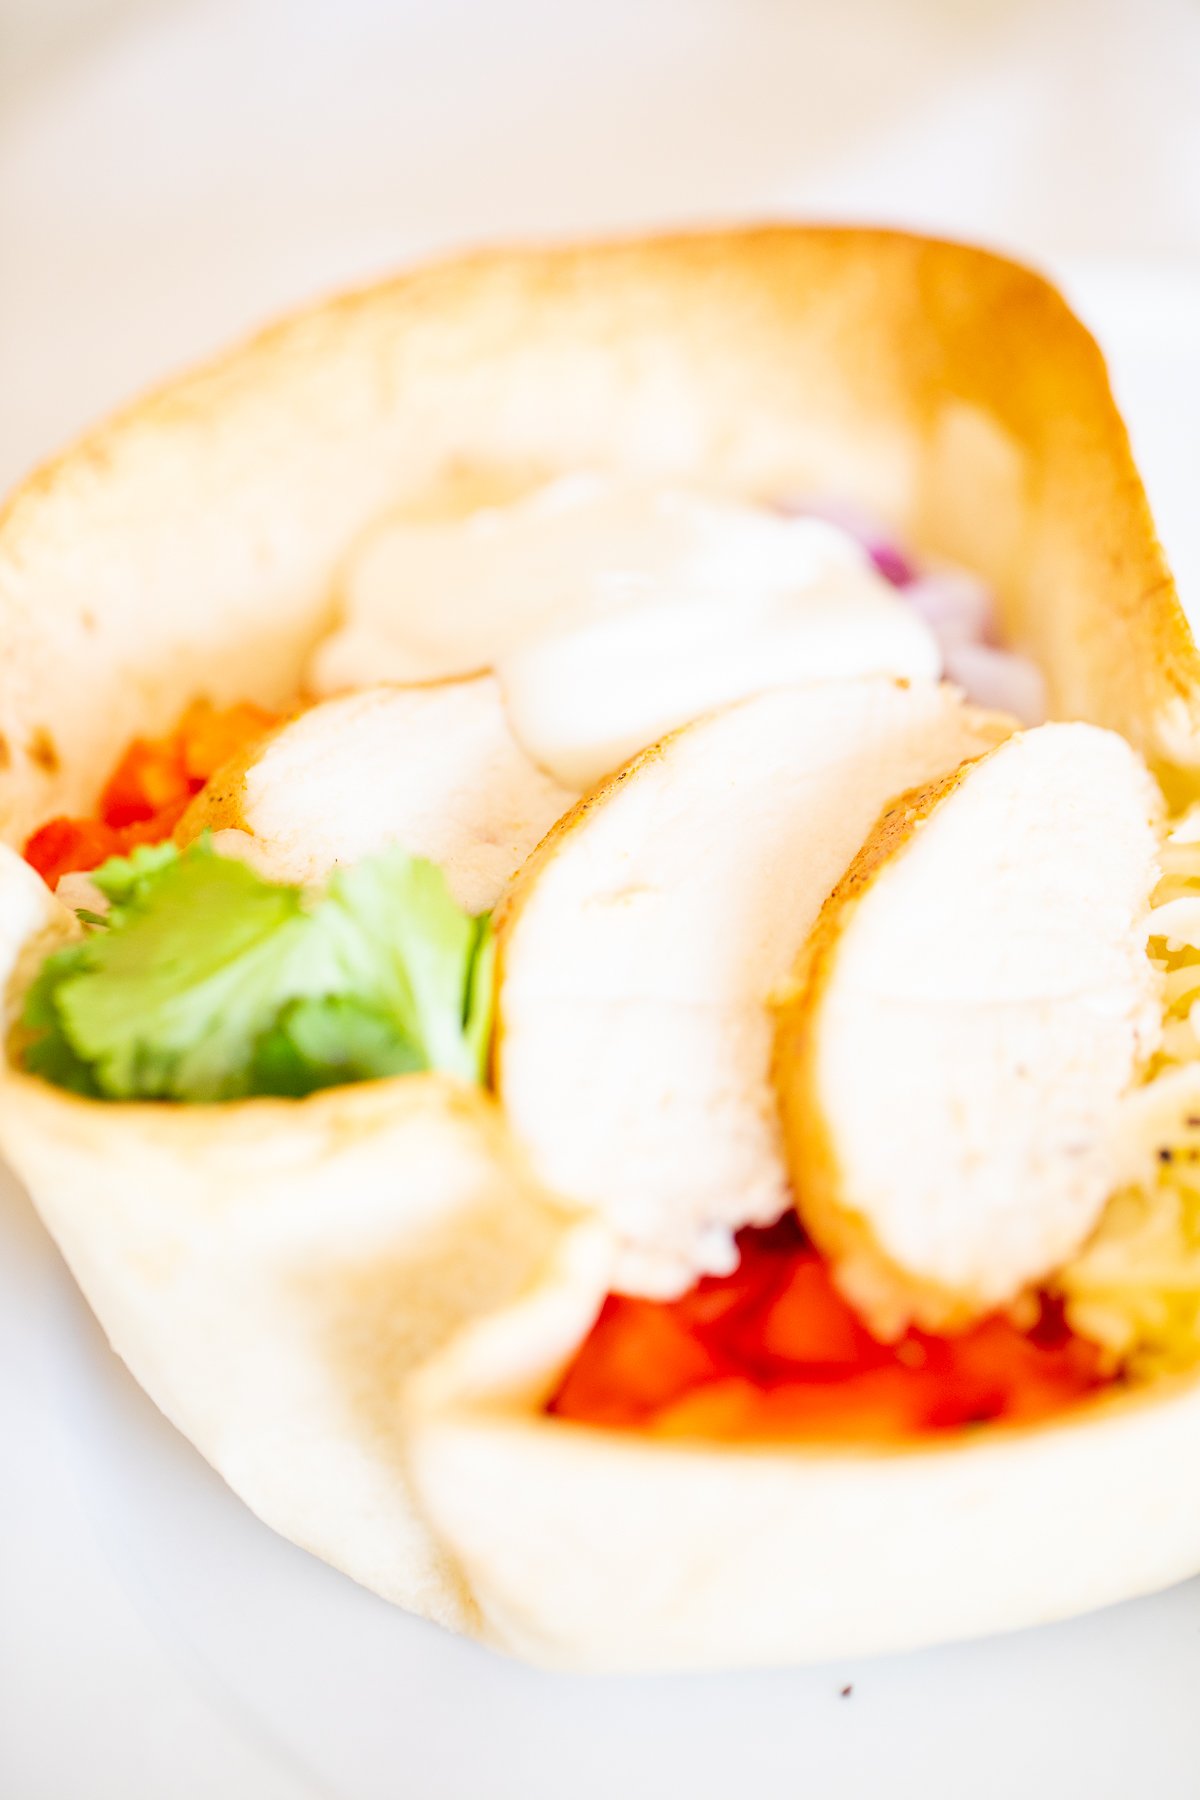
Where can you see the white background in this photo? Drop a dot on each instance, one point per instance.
(171, 174)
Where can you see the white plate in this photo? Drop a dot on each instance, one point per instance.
(374, 1704)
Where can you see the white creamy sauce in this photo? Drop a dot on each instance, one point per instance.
(613, 613)
(583, 701)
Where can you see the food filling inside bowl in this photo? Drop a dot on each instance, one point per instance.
(590, 619)
(774, 1351)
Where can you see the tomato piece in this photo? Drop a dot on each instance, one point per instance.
(874, 1404)
(773, 1352)
(148, 792)
(881, 1403)
(717, 1301)
(995, 1371)
(807, 1321)
(727, 1408)
(209, 736)
(63, 845)
(159, 775)
(149, 777)
(640, 1356)
(156, 828)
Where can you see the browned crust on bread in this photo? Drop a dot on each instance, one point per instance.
(192, 544)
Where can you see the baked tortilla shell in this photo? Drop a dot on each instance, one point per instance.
(273, 1271)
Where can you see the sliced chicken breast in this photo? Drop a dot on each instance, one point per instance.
(973, 1004)
(434, 769)
(640, 944)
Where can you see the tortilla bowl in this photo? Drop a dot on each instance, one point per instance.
(274, 1272)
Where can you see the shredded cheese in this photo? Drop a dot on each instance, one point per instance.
(1134, 1288)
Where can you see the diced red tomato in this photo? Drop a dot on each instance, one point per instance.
(209, 736)
(773, 1352)
(65, 844)
(807, 1321)
(645, 1356)
(148, 792)
(725, 1408)
(149, 777)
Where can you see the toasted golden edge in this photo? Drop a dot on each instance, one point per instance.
(868, 1276)
(194, 541)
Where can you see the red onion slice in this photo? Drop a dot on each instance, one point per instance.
(1000, 680)
(884, 549)
(957, 606)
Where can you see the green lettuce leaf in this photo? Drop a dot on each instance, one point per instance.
(208, 983)
(47, 1052)
(323, 1043)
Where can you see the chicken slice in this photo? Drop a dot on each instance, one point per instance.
(639, 947)
(973, 1003)
(434, 769)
